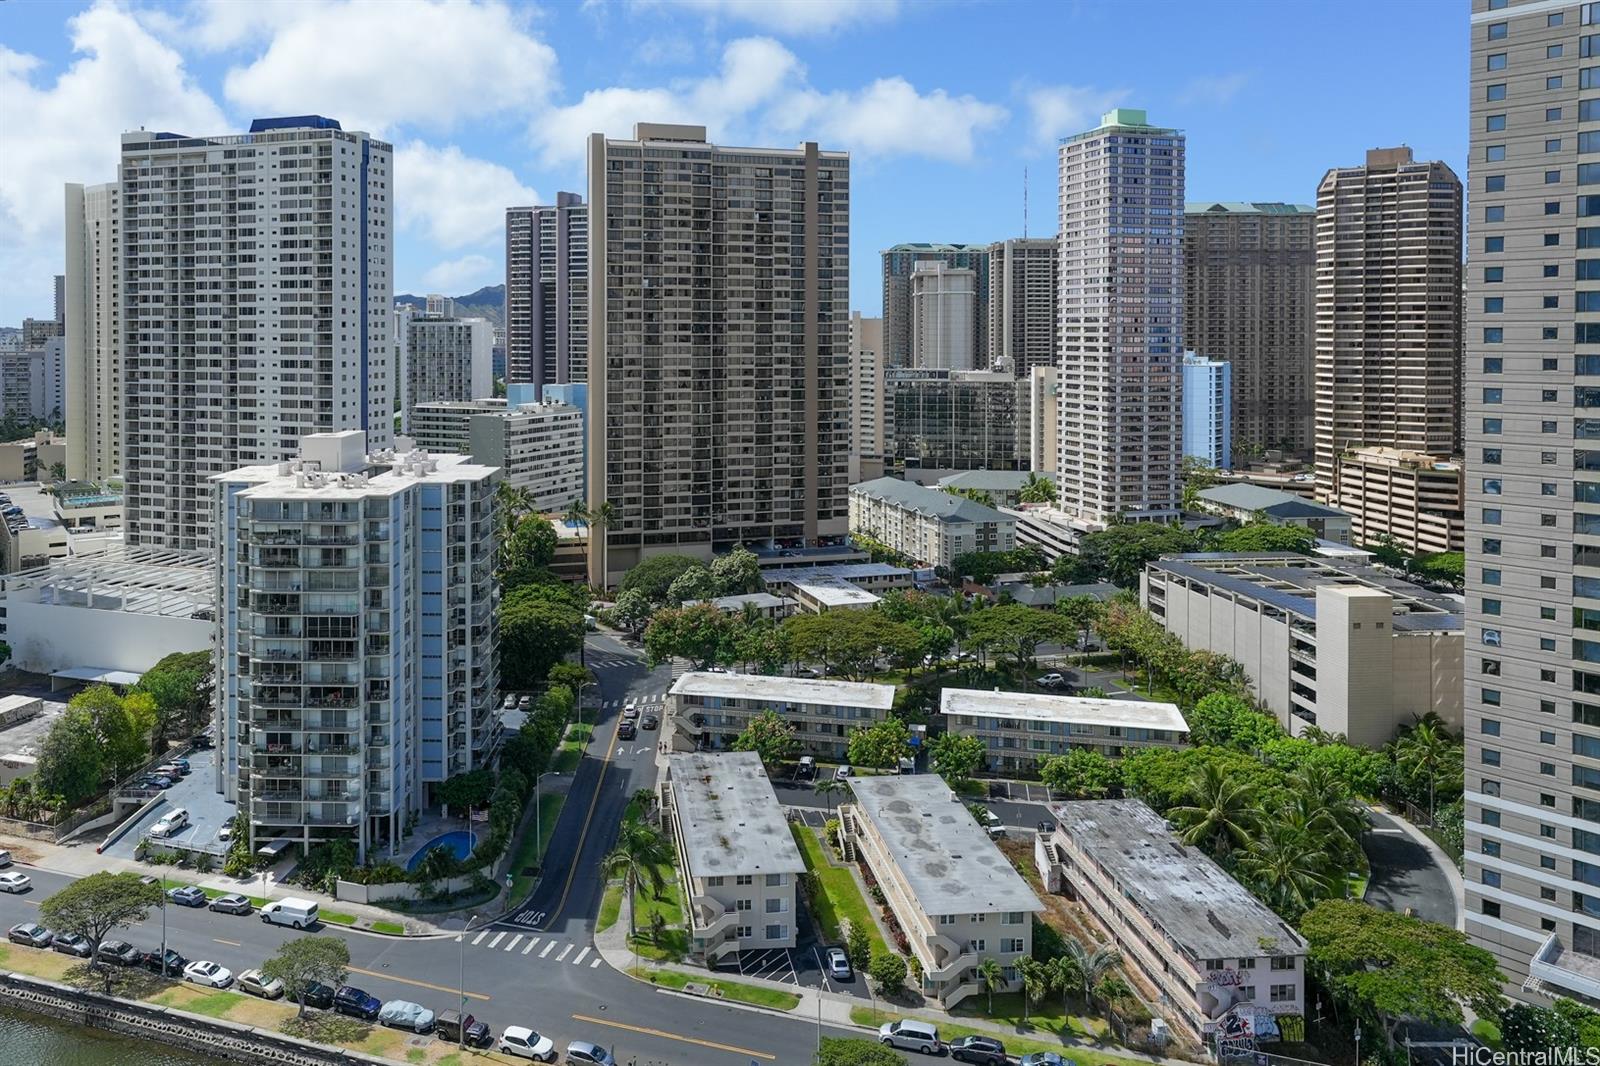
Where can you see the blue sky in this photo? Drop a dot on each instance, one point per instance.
(942, 103)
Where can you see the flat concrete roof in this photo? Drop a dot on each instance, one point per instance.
(785, 689)
(1177, 887)
(734, 603)
(1042, 707)
(948, 860)
(842, 571)
(730, 818)
(835, 592)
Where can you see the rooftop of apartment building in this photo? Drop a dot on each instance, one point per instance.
(987, 480)
(775, 556)
(1190, 897)
(1290, 582)
(730, 817)
(933, 503)
(1127, 118)
(491, 406)
(336, 466)
(1238, 207)
(759, 600)
(949, 862)
(1271, 502)
(837, 571)
(1078, 710)
(923, 246)
(1401, 457)
(834, 592)
(726, 685)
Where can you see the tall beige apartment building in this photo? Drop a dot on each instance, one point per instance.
(899, 264)
(866, 398)
(1532, 702)
(719, 344)
(92, 295)
(1121, 308)
(1022, 303)
(1249, 288)
(944, 317)
(1388, 313)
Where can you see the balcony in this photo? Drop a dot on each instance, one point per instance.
(1568, 971)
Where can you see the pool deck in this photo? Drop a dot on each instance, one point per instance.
(442, 831)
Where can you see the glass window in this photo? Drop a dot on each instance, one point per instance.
(1491, 577)
(1492, 426)
(1589, 173)
(1496, 61)
(1495, 183)
(1490, 606)
(1552, 145)
(1553, 82)
(1497, 31)
(1552, 51)
(1494, 274)
(1552, 240)
(1494, 92)
(1494, 244)
(1491, 516)
(1492, 395)
(1491, 486)
(1491, 546)
(1552, 177)
(1547, 333)
(1551, 207)
(1555, 18)
(1494, 123)
(1494, 153)
(1493, 334)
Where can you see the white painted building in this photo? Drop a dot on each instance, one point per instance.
(447, 360)
(93, 316)
(710, 709)
(944, 312)
(929, 525)
(1020, 728)
(537, 446)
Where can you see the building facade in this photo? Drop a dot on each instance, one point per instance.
(866, 398)
(358, 659)
(944, 316)
(1415, 498)
(929, 525)
(92, 310)
(899, 263)
(956, 419)
(1121, 316)
(1208, 411)
(448, 360)
(231, 361)
(1044, 419)
(1249, 296)
(547, 293)
(33, 382)
(709, 710)
(537, 446)
(719, 411)
(1244, 503)
(1022, 304)
(1388, 332)
(1018, 729)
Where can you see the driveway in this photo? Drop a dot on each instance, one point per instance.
(1404, 873)
(197, 794)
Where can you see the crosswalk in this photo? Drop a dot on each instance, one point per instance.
(645, 702)
(535, 947)
(615, 663)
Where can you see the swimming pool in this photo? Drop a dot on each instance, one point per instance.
(459, 842)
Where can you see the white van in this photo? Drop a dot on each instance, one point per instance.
(298, 913)
(912, 1035)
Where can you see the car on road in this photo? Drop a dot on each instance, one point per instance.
(583, 1051)
(15, 882)
(839, 965)
(117, 953)
(5, 857)
(356, 1002)
(449, 1025)
(257, 983)
(205, 972)
(631, 711)
(232, 903)
(296, 913)
(912, 1035)
(149, 879)
(627, 731)
(404, 1014)
(315, 995)
(650, 721)
(526, 1044)
(187, 896)
(72, 944)
(152, 961)
(983, 1050)
(1050, 681)
(524, 702)
(1046, 1058)
(30, 934)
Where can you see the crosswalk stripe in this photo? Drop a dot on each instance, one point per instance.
(513, 941)
(547, 948)
(497, 938)
(479, 937)
(594, 962)
(581, 954)
(565, 951)
(531, 943)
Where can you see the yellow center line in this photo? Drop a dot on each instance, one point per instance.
(230, 943)
(583, 834)
(674, 1036)
(419, 984)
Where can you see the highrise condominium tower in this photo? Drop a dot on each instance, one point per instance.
(1249, 293)
(92, 315)
(1022, 303)
(356, 635)
(547, 293)
(944, 313)
(256, 294)
(1388, 312)
(1207, 410)
(1121, 308)
(866, 398)
(1532, 700)
(719, 363)
(447, 358)
(899, 264)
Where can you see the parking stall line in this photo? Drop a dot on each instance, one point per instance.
(594, 962)
(513, 941)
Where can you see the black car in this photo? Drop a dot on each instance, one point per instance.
(1047, 827)
(984, 1050)
(316, 995)
(448, 1028)
(151, 960)
(118, 953)
(651, 722)
(357, 1003)
(72, 944)
(30, 934)
(627, 731)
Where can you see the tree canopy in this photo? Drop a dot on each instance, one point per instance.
(1015, 631)
(769, 736)
(306, 960)
(984, 567)
(855, 1051)
(535, 634)
(1266, 537)
(71, 757)
(1229, 722)
(532, 543)
(737, 572)
(956, 757)
(655, 575)
(1120, 552)
(92, 906)
(1080, 774)
(700, 633)
(850, 642)
(882, 744)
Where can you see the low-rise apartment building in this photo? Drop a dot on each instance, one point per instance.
(764, 604)
(537, 446)
(956, 897)
(870, 577)
(1003, 487)
(739, 861)
(1244, 502)
(1417, 499)
(1020, 728)
(1341, 646)
(926, 524)
(1188, 928)
(710, 709)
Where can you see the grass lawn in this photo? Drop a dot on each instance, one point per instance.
(674, 943)
(51, 965)
(526, 855)
(839, 900)
(570, 754)
(1045, 1015)
(338, 918)
(393, 928)
(1488, 1032)
(1016, 1045)
(757, 994)
(610, 906)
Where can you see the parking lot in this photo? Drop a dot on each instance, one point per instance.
(197, 794)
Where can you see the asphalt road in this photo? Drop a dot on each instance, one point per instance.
(1404, 873)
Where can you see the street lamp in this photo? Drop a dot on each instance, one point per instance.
(163, 924)
(538, 825)
(1358, 1043)
(461, 1026)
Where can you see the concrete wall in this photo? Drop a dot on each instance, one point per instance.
(47, 637)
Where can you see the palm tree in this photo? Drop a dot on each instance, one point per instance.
(602, 516)
(645, 800)
(577, 513)
(1290, 869)
(993, 977)
(638, 857)
(1426, 750)
(1319, 794)
(1037, 489)
(1221, 811)
(1089, 966)
(1064, 975)
(1035, 981)
(831, 788)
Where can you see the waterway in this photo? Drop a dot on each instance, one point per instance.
(35, 1040)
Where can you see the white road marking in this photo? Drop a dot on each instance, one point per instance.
(479, 937)
(513, 941)
(547, 949)
(594, 962)
(531, 943)
(565, 951)
(580, 957)
(497, 938)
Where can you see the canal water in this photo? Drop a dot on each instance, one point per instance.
(35, 1040)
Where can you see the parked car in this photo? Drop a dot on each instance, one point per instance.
(169, 769)
(315, 995)
(1047, 1058)
(805, 769)
(5, 857)
(30, 934)
(72, 944)
(511, 702)
(232, 903)
(183, 766)
(524, 702)
(404, 1014)
(159, 781)
(187, 896)
(912, 1035)
(117, 953)
(356, 1003)
(14, 882)
(650, 721)
(208, 973)
(200, 740)
(226, 832)
(297, 913)
(583, 1051)
(839, 965)
(527, 1044)
(627, 731)
(1046, 826)
(1050, 681)
(153, 961)
(149, 879)
(983, 1050)
(449, 1025)
(843, 771)
(257, 983)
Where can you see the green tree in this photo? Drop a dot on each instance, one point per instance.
(638, 857)
(1035, 976)
(955, 757)
(535, 634)
(577, 513)
(465, 790)
(882, 744)
(1393, 967)
(1081, 773)
(761, 645)
(984, 567)
(1081, 968)
(769, 736)
(695, 583)
(993, 979)
(181, 684)
(1015, 631)
(975, 495)
(1287, 868)
(1037, 489)
(1445, 567)
(656, 574)
(1119, 553)
(631, 610)
(92, 906)
(1220, 814)
(737, 572)
(532, 543)
(1230, 722)
(848, 642)
(71, 757)
(1198, 475)
(571, 676)
(1427, 752)
(831, 788)
(888, 970)
(1359, 770)
(303, 961)
(700, 633)
(1266, 537)
(1082, 613)
(855, 1051)
(858, 945)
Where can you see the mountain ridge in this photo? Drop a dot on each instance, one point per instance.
(488, 302)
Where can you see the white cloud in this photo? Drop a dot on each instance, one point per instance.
(789, 16)
(376, 65)
(467, 274)
(122, 78)
(452, 199)
(889, 117)
(1212, 91)
(1061, 110)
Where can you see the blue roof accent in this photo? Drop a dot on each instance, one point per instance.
(294, 122)
(170, 136)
